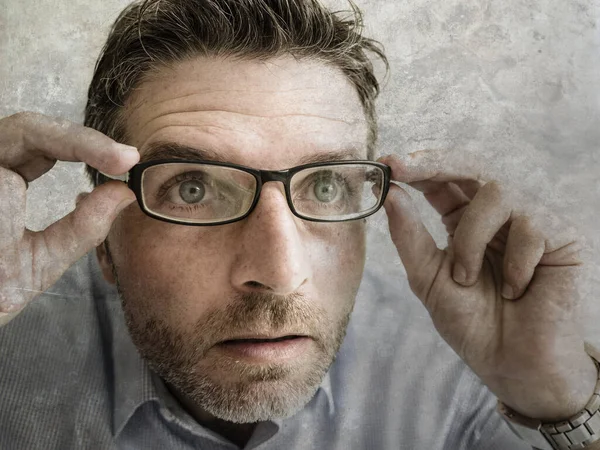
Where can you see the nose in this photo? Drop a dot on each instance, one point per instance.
(271, 256)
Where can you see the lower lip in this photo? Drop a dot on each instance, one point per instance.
(282, 350)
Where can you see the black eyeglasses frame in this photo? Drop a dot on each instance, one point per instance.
(133, 178)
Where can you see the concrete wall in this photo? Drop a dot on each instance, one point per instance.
(516, 82)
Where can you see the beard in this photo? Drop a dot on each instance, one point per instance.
(228, 389)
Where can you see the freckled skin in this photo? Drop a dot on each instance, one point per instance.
(265, 115)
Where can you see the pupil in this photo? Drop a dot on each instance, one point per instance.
(191, 191)
(325, 191)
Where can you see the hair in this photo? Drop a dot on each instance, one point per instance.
(152, 34)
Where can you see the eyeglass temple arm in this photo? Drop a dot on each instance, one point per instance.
(124, 177)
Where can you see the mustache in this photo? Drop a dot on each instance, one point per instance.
(259, 312)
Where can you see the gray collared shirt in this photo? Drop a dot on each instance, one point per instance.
(70, 378)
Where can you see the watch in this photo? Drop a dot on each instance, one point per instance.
(577, 432)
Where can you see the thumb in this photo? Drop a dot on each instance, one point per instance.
(416, 247)
(65, 241)
(80, 197)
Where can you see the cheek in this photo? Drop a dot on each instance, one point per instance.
(166, 269)
(338, 260)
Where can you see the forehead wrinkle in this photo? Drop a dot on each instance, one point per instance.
(133, 108)
(197, 125)
(213, 125)
(132, 105)
(263, 116)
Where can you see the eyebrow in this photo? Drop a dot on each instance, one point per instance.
(171, 150)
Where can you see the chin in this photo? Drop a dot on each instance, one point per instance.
(250, 402)
(246, 393)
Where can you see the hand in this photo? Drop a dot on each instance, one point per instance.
(30, 144)
(512, 313)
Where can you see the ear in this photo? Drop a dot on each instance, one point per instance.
(105, 263)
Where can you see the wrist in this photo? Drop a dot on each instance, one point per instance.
(559, 399)
(579, 431)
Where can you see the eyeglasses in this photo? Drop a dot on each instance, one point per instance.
(215, 193)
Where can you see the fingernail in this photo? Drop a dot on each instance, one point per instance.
(125, 148)
(460, 273)
(507, 291)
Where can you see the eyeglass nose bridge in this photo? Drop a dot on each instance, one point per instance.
(265, 176)
(283, 176)
(274, 175)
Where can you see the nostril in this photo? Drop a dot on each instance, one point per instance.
(255, 284)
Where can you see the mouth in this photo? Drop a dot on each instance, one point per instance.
(261, 339)
(267, 349)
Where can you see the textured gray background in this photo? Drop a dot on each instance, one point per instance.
(515, 81)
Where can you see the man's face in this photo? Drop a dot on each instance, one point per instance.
(186, 289)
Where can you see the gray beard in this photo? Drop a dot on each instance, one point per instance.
(260, 392)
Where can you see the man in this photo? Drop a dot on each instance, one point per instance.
(237, 278)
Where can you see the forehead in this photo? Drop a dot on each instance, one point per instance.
(249, 111)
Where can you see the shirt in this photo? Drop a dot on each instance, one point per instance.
(70, 378)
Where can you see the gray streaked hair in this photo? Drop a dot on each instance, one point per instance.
(152, 34)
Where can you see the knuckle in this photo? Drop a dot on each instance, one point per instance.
(82, 227)
(90, 225)
(11, 183)
(7, 306)
(494, 190)
(24, 118)
(526, 227)
(11, 299)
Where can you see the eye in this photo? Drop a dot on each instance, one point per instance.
(192, 191)
(326, 189)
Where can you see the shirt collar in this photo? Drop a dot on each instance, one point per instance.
(133, 379)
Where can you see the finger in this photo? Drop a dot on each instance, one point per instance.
(64, 242)
(449, 199)
(416, 247)
(524, 250)
(445, 197)
(12, 217)
(80, 197)
(31, 142)
(487, 213)
(434, 165)
(452, 220)
(564, 239)
(469, 187)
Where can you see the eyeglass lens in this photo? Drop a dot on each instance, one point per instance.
(202, 193)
